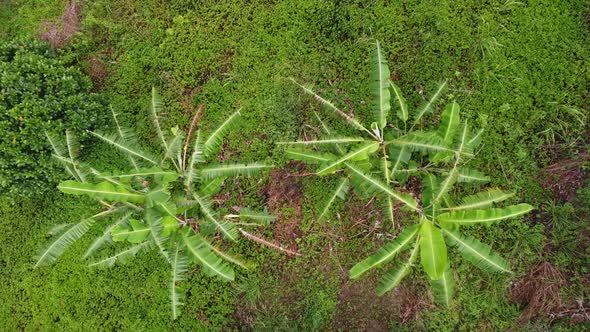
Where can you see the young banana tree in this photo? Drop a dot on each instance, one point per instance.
(161, 202)
(370, 147)
(438, 219)
(440, 158)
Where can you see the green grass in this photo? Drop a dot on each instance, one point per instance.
(516, 68)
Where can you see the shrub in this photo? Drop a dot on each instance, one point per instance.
(38, 93)
(162, 202)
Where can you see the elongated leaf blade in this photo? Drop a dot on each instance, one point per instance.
(428, 107)
(227, 228)
(214, 140)
(374, 185)
(431, 187)
(166, 176)
(331, 140)
(136, 233)
(433, 250)
(341, 190)
(402, 106)
(106, 236)
(58, 246)
(473, 217)
(423, 142)
(121, 256)
(125, 146)
(211, 264)
(393, 278)
(475, 139)
(123, 133)
(362, 152)
(479, 254)
(309, 156)
(156, 196)
(482, 199)
(73, 153)
(258, 217)
(446, 185)
(449, 122)
(179, 266)
(471, 175)
(197, 156)
(380, 87)
(443, 287)
(156, 107)
(399, 156)
(460, 145)
(232, 169)
(103, 190)
(174, 147)
(338, 149)
(156, 227)
(349, 119)
(211, 187)
(59, 154)
(232, 258)
(386, 253)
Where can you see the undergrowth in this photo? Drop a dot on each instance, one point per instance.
(518, 69)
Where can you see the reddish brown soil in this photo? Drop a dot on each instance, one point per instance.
(97, 71)
(563, 178)
(284, 192)
(540, 291)
(59, 33)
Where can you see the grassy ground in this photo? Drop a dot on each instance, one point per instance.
(521, 70)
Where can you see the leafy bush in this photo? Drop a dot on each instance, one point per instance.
(440, 158)
(38, 93)
(162, 202)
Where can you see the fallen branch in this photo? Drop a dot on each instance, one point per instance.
(268, 244)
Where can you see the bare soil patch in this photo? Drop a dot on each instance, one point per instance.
(284, 195)
(540, 291)
(97, 71)
(563, 178)
(60, 32)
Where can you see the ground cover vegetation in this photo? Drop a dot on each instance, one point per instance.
(517, 70)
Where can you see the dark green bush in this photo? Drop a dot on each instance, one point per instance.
(38, 93)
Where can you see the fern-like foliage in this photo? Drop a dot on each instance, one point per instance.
(162, 202)
(377, 162)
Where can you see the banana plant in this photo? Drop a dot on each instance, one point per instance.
(439, 219)
(162, 202)
(402, 148)
(387, 144)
